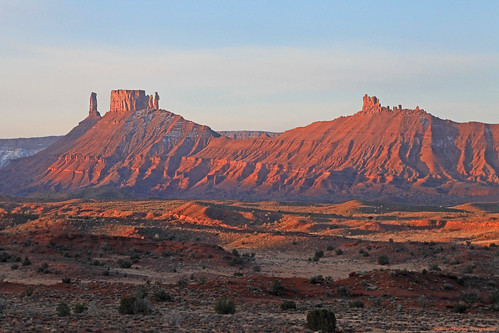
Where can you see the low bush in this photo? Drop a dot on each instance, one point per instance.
(124, 263)
(26, 261)
(28, 291)
(318, 254)
(44, 268)
(469, 297)
(66, 280)
(182, 282)
(288, 305)
(162, 296)
(316, 279)
(134, 305)
(343, 291)
(225, 306)
(356, 304)
(140, 291)
(80, 308)
(434, 268)
(321, 319)
(459, 308)
(383, 260)
(63, 310)
(277, 289)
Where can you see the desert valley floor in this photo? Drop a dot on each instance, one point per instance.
(378, 267)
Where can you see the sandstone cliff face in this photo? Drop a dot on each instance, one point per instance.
(377, 153)
(132, 100)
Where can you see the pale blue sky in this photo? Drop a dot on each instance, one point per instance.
(270, 65)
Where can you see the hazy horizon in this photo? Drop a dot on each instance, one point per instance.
(246, 65)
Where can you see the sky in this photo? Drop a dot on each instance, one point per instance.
(252, 65)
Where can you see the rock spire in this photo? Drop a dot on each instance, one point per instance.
(92, 109)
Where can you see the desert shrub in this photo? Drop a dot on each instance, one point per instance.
(318, 254)
(494, 297)
(14, 266)
(28, 291)
(468, 269)
(66, 280)
(339, 252)
(356, 304)
(469, 297)
(124, 263)
(344, 291)
(225, 306)
(99, 263)
(364, 253)
(134, 258)
(140, 291)
(133, 305)
(321, 319)
(5, 257)
(44, 268)
(127, 305)
(238, 274)
(237, 261)
(459, 308)
(182, 282)
(383, 260)
(80, 308)
(316, 279)
(330, 247)
(142, 306)
(26, 261)
(447, 286)
(277, 289)
(288, 305)
(257, 268)
(434, 268)
(162, 296)
(63, 310)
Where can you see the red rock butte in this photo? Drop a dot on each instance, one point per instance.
(378, 153)
(132, 100)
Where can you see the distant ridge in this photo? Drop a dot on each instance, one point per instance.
(11, 149)
(247, 134)
(379, 153)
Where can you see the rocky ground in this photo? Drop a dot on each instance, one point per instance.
(179, 258)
